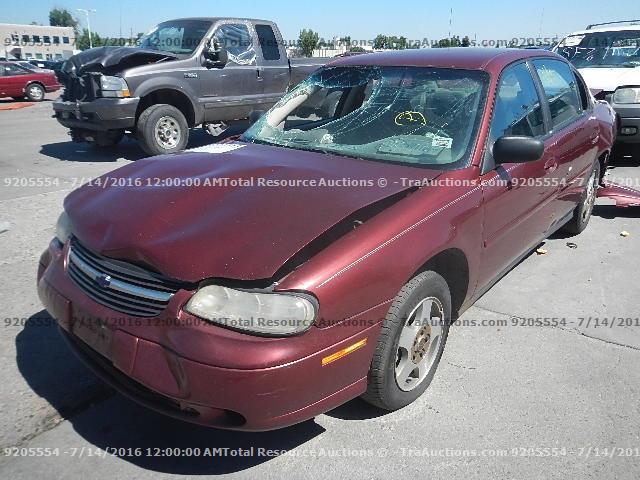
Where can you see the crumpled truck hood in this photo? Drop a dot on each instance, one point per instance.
(107, 58)
(608, 79)
(238, 230)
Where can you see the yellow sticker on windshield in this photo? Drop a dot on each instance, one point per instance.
(409, 117)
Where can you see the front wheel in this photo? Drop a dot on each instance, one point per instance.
(162, 129)
(411, 342)
(584, 209)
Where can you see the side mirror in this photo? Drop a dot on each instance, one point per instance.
(512, 149)
(215, 54)
(255, 115)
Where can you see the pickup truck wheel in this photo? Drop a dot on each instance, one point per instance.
(162, 129)
(35, 92)
(411, 342)
(584, 209)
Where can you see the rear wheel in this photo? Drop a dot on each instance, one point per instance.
(584, 209)
(162, 129)
(34, 92)
(411, 342)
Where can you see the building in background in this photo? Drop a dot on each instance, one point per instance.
(40, 42)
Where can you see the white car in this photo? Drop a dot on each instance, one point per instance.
(608, 57)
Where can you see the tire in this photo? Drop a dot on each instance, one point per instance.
(584, 209)
(162, 129)
(107, 139)
(34, 92)
(402, 345)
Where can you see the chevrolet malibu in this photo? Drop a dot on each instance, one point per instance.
(325, 253)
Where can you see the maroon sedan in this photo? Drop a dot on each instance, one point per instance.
(19, 82)
(323, 255)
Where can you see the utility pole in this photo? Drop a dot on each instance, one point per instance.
(86, 12)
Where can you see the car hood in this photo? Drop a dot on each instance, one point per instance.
(608, 79)
(150, 213)
(110, 59)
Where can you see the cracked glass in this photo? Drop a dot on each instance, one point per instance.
(409, 115)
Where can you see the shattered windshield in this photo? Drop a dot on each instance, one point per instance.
(177, 36)
(602, 49)
(409, 115)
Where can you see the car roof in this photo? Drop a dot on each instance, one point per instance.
(469, 58)
(215, 19)
(619, 28)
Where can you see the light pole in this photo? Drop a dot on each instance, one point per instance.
(86, 12)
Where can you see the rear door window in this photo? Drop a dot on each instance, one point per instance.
(560, 87)
(517, 109)
(268, 42)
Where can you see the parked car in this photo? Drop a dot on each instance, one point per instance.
(31, 67)
(19, 82)
(184, 73)
(256, 283)
(608, 57)
(54, 65)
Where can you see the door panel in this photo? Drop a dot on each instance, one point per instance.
(14, 80)
(231, 92)
(575, 130)
(273, 64)
(519, 198)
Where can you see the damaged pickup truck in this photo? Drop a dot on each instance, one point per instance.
(183, 73)
(325, 254)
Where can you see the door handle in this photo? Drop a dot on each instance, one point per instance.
(551, 165)
(594, 139)
(259, 74)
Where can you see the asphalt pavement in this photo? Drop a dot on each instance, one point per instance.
(511, 399)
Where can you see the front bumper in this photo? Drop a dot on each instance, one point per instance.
(100, 114)
(203, 373)
(629, 118)
(52, 88)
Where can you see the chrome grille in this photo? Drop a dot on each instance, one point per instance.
(121, 286)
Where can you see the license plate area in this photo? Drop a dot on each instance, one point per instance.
(93, 331)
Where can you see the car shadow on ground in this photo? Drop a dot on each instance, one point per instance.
(135, 434)
(8, 100)
(127, 149)
(611, 211)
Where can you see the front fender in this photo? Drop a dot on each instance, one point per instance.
(369, 265)
(166, 83)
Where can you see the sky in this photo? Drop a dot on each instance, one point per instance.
(414, 19)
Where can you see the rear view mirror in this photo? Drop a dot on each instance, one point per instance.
(512, 149)
(215, 54)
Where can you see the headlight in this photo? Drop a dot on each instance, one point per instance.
(114, 87)
(262, 313)
(627, 95)
(63, 227)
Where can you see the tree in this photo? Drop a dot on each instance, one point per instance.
(82, 41)
(357, 49)
(308, 42)
(465, 41)
(60, 17)
(380, 42)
